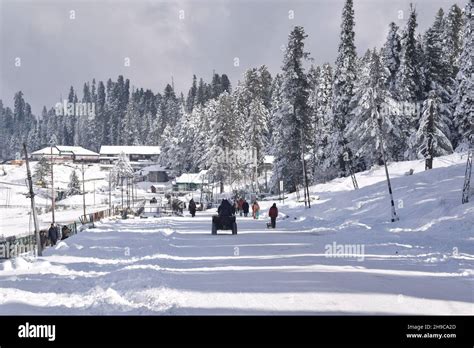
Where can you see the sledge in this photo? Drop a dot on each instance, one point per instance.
(224, 223)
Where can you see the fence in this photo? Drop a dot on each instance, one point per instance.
(20, 245)
(98, 215)
(16, 245)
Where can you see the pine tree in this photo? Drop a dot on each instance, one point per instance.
(252, 116)
(170, 109)
(391, 56)
(42, 172)
(101, 115)
(344, 79)
(280, 149)
(191, 100)
(9, 131)
(464, 98)
(201, 117)
(453, 44)
(222, 141)
(225, 84)
(216, 86)
(122, 169)
(266, 86)
(201, 93)
(436, 61)
(130, 134)
(321, 101)
(431, 137)
(409, 79)
(370, 125)
(74, 186)
(19, 113)
(256, 131)
(69, 121)
(112, 110)
(295, 129)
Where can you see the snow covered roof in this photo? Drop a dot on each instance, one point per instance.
(77, 150)
(192, 178)
(269, 159)
(154, 168)
(129, 150)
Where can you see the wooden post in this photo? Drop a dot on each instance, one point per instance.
(31, 194)
(83, 193)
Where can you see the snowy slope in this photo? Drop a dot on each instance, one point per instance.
(422, 264)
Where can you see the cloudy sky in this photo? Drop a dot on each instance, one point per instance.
(163, 39)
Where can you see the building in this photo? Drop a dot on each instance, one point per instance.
(191, 181)
(268, 163)
(154, 173)
(65, 153)
(136, 154)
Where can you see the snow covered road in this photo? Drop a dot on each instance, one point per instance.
(175, 266)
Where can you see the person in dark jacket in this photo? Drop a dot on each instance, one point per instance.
(273, 213)
(53, 234)
(225, 209)
(245, 208)
(66, 232)
(44, 238)
(192, 207)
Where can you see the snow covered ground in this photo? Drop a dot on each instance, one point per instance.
(15, 205)
(422, 264)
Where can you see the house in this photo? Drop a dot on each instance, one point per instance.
(66, 153)
(267, 168)
(136, 154)
(154, 173)
(191, 181)
(268, 163)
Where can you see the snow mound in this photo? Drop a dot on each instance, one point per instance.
(61, 245)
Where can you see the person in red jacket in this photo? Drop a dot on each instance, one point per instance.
(273, 213)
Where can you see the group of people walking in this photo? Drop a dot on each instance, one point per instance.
(241, 207)
(54, 234)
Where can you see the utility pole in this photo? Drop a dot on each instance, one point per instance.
(121, 189)
(52, 185)
(467, 175)
(349, 164)
(110, 194)
(128, 192)
(430, 131)
(94, 193)
(266, 180)
(379, 124)
(202, 187)
(305, 176)
(306, 182)
(83, 193)
(33, 206)
(133, 195)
